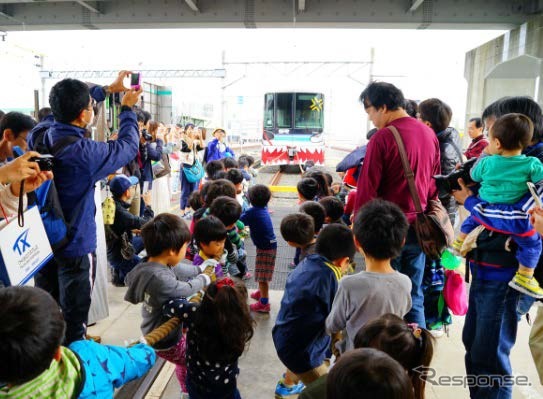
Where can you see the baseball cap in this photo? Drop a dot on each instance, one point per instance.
(119, 184)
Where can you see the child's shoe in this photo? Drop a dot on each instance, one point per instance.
(526, 285)
(256, 295)
(259, 307)
(284, 391)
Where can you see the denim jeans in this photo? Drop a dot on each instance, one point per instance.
(411, 263)
(490, 331)
(186, 189)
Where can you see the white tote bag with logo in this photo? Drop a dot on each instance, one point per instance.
(24, 250)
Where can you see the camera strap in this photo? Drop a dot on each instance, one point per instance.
(408, 172)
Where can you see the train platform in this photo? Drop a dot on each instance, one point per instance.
(260, 368)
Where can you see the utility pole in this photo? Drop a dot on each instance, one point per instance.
(370, 79)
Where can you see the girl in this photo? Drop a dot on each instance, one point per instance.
(191, 143)
(218, 331)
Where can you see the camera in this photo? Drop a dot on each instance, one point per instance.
(145, 134)
(44, 161)
(448, 183)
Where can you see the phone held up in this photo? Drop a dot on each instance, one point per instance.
(135, 81)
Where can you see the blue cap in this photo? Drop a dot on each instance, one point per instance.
(119, 184)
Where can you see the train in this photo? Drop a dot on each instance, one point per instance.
(293, 128)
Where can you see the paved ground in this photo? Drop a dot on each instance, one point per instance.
(260, 368)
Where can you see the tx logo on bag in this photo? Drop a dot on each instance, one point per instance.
(21, 243)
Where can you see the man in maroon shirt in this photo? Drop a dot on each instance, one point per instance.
(382, 175)
(478, 140)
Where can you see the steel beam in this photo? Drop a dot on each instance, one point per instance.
(88, 6)
(152, 73)
(415, 4)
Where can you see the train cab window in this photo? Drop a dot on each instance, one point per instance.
(268, 111)
(284, 110)
(309, 110)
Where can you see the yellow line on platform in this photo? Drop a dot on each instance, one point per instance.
(283, 189)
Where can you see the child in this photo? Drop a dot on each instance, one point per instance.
(259, 221)
(307, 189)
(212, 168)
(210, 236)
(218, 331)
(503, 177)
(35, 365)
(298, 230)
(158, 279)
(379, 229)
(323, 182)
(243, 164)
(408, 344)
(299, 333)
(317, 212)
(236, 177)
(230, 163)
(368, 373)
(333, 208)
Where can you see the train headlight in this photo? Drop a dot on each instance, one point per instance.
(317, 138)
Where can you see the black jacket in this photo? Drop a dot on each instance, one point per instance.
(450, 156)
(125, 222)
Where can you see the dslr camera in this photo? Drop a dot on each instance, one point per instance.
(145, 134)
(448, 183)
(44, 161)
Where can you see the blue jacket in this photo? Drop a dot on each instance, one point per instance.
(154, 153)
(299, 333)
(107, 367)
(260, 223)
(78, 167)
(214, 153)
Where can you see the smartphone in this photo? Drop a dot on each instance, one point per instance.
(533, 191)
(145, 186)
(135, 81)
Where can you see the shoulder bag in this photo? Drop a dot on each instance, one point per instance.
(195, 172)
(433, 226)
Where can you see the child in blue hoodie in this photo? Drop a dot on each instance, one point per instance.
(36, 365)
(299, 333)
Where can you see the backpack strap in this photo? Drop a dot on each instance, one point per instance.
(63, 143)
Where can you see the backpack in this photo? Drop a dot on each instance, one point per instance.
(46, 196)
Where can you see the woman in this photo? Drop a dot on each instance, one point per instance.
(161, 171)
(153, 152)
(191, 143)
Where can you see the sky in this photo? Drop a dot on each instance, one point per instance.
(423, 63)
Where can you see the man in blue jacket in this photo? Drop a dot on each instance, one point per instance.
(78, 166)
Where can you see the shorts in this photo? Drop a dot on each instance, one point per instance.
(265, 264)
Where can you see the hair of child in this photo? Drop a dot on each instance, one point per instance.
(408, 344)
(242, 162)
(514, 131)
(259, 195)
(235, 176)
(368, 373)
(223, 323)
(333, 207)
(322, 182)
(195, 200)
(31, 331)
(316, 211)
(213, 167)
(380, 227)
(218, 188)
(436, 112)
(308, 188)
(227, 209)
(335, 241)
(298, 228)
(209, 229)
(164, 232)
(230, 163)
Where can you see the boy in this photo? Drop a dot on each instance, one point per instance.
(308, 189)
(236, 177)
(160, 278)
(299, 333)
(380, 229)
(298, 230)
(333, 208)
(316, 211)
(35, 365)
(210, 236)
(259, 221)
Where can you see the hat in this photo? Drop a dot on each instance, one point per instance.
(119, 184)
(218, 129)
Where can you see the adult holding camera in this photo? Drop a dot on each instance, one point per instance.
(151, 143)
(191, 143)
(14, 128)
(123, 246)
(77, 168)
(490, 327)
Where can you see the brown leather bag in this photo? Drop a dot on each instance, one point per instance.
(433, 226)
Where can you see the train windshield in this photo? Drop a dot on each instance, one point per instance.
(309, 111)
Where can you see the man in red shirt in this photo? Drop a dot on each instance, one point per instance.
(478, 140)
(382, 175)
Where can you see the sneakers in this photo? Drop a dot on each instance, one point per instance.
(526, 285)
(247, 276)
(256, 295)
(438, 332)
(282, 391)
(292, 265)
(260, 308)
